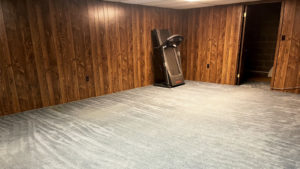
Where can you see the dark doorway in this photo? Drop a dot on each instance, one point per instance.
(261, 23)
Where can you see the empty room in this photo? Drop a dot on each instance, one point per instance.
(149, 84)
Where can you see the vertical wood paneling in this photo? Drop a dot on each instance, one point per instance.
(214, 46)
(198, 60)
(287, 62)
(103, 47)
(212, 39)
(49, 47)
(183, 48)
(93, 26)
(8, 93)
(221, 44)
(123, 59)
(18, 37)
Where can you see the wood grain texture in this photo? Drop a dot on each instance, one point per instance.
(213, 36)
(49, 47)
(287, 59)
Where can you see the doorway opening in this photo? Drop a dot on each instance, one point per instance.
(258, 45)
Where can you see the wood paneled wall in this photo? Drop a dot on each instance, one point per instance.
(48, 47)
(287, 60)
(212, 37)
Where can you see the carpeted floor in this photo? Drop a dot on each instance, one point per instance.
(198, 125)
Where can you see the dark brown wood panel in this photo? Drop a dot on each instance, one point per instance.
(55, 51)
(8, 92)
(287, 60)
(212, 43)
(49, 48)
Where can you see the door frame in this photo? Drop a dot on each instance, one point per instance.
(241, 47)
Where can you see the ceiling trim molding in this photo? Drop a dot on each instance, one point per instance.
(182, 4)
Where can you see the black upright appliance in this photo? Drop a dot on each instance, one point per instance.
(166, 58)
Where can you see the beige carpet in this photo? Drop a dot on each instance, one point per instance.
(198, 125)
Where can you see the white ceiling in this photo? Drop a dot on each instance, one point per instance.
(181, 4)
